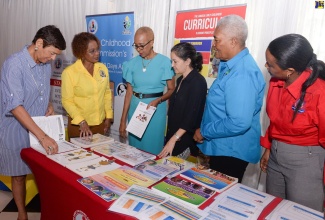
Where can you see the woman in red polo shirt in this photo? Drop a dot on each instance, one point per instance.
(295, 138)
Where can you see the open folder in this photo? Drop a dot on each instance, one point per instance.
(53, 126)
(140, 119)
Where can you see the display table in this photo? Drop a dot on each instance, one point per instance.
(62, 197)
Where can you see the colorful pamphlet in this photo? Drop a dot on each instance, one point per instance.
(95, 140)
(135, 200)
(93, 167)
(240, 202)
(210, 178)
(140, 119)
(154, 170)
(129, 176)
(133, 156)
(184, 190)
(110, 148)
(172, 210)
(180, 164)
(72, 157)
(98, 188)
(53, 126)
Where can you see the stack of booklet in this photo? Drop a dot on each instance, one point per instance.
(95, 140)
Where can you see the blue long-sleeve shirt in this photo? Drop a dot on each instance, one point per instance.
(231, 119)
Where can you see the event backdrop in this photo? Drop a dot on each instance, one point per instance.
(197, 27)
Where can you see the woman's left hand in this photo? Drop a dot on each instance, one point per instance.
(154, 103)
(168, 149)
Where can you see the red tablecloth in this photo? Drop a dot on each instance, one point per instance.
(62, 197)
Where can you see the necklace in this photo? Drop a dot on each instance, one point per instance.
(144, 67)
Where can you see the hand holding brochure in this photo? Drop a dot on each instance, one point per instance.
(140, 119)
(52, 126)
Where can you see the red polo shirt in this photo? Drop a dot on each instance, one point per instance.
(308, 128)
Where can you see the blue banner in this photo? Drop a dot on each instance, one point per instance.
(115, 33)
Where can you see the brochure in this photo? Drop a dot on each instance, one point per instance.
(72, 157)
(140, 119)
(53, 126)
(171, 209)
(93, 167)
(95, 140)
(240, 202)
(293, 211)
(135, 200)
(180, 164)
(110, 148)
(154, 170)
(133, 156)
(210, 178)
(98, 188)
(184, 190)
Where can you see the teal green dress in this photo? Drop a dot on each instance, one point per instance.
(153, 80)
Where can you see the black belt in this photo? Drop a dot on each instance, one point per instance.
(144, 96)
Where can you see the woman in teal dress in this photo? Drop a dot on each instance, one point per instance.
(147, 75)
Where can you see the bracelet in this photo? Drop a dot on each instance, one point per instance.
(40, 141)
(177, 137)
(160, 100)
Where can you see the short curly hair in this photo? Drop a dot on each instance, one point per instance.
(80, 43)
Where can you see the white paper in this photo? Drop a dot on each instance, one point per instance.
(53, 126)
(72, 157)
(294, 211)
(140, 119)
(240, 202)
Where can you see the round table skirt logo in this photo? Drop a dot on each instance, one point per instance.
(80, 215)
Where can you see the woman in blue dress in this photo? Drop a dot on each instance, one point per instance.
(25, 92)
(147, 75)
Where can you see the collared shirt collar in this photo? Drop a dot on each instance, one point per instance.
(295, 87)
(30, 60)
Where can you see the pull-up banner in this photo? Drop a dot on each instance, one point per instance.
(197, 27)
(115, 33)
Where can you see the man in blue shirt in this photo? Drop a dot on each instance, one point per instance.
(230, 129)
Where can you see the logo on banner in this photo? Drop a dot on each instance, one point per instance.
(121, 89)
(79, 215)
(127, 25)
(57, 63)
(92, 26)
(319, 4)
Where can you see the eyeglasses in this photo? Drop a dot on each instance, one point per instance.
(93, 51)
(141, 47)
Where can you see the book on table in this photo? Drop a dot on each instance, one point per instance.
(99, 189)
(135, 200)
(53, 127)
(96, 139)
(210, 178)
(133, 156)
(93, 167)
(108, 149)
(154, 169)
(184, 191)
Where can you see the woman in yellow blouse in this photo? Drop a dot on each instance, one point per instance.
(85, 89)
